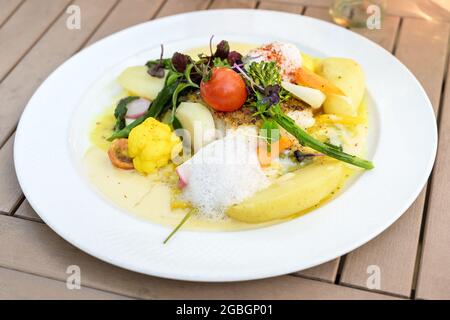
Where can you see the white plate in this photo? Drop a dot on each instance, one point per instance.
(52, 136)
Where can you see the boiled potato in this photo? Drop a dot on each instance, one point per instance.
(348, 76)
(138, 82)
(198, 121)
(308, 62)
(291, 193)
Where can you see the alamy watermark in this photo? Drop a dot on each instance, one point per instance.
(373, 282)
(374, 19)
(73, 21)
(73, 281)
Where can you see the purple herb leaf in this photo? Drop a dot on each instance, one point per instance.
(180, 61)
(156, 70)
(222, 50)
(234, 57)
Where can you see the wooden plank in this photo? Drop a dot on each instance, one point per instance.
(324, 272)
(385, 36)
(434, 279)
(9, 196)
(25, 27)
(318, 13)
(223, 4)
(8, 8)
(423, 9)
(425, 55)
(10, 192)
(16, 91)
(27, 212)
(395, 251)
(172, 7)
(20, 286)
(137, 11)
(281, 6)
(32, 247)
(58, 44)
(307, 3)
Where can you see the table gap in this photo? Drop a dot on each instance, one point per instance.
(158, 10)
(19, 59)
(429, 181)
(60, 280)
(397, 36)
(12, 13)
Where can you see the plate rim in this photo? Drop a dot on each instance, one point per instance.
(407, 204)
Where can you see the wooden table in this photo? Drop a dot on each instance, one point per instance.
(412, 256)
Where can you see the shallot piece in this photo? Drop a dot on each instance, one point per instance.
(137, 108)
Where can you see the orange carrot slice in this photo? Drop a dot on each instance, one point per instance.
(309, 79)
(265, 157)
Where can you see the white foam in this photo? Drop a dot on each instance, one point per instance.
(223, 173)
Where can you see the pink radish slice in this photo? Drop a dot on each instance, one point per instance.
(182, 172)
(137, 108)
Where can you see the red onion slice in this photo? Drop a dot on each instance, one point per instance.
(183, 173)
(137, 108)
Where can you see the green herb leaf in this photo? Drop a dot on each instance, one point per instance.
(221, 63)
(121, 111)
(270, 131)
(155, 110)
(305, 139)
(182, 222)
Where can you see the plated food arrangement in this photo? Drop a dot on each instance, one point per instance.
(316, 105)
(231, 136)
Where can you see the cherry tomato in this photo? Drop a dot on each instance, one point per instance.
(225, 91)
(118, 154)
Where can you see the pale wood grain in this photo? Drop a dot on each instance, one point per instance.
(324, 272)
(308, 3)
(15, 285)
(25, 27)
(27, 212)
(136, 11)
(318, 13)
(222, 4)
(422, 47)
(424, 9)
(32, 247)
(8, 8)
(281, 6)
(10, 192)
(172, 7)
(434, 276)
(395, 250)
(55, 47)
(385, 36)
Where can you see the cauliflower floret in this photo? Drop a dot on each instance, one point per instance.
(150, 144)
(286, 55)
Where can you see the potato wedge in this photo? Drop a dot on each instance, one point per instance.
(348, 76)
(138, 82)
(291, 193)
(198, 121)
